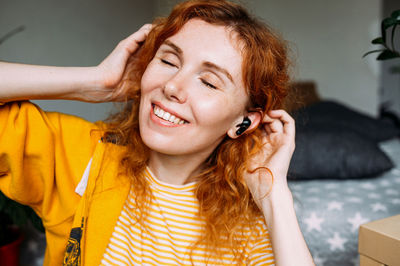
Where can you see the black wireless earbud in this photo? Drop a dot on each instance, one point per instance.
(243, 126)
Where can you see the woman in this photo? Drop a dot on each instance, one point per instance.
(192, 171)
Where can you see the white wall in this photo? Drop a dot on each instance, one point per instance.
(163, 7)
(330, 38)
(69, 33)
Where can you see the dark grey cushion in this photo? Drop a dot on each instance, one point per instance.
(335, 142)
(339, 115)
(326, 152)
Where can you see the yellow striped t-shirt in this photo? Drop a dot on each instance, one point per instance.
(171, 226)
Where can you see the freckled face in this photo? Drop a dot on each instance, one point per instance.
(192, 91)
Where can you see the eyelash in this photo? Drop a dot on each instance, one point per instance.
(167, 62)
(208, 84)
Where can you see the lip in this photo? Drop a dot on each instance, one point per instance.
(163, 122)
(169, 111)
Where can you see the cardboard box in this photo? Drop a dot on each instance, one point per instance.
(379, 242)
(367, 261)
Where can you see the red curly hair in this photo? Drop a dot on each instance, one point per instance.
(225, 201)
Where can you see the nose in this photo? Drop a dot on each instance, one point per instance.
(174, 88)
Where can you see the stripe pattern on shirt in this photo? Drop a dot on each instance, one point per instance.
(171, 226)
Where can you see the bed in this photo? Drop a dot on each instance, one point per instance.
(331, 211)
(345, 172)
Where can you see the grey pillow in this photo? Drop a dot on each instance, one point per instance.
(339, 115)
(326, 151)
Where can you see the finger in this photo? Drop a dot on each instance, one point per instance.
(132, 42)
(268, 130)
(267, 119)
(276, 126)
(139, 33)
(286, 119)
(271, 125)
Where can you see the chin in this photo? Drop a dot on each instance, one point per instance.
(164, 147)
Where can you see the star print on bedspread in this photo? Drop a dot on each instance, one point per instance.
(378, 207)
(314, 222)
(336, 242)
(330, 212)
(335, 205)
(356, 221)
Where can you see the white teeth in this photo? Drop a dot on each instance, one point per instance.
(167, 116)
(156, 111)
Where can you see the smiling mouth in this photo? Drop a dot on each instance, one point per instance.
(164, 115)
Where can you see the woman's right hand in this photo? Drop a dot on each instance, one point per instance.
(111, 70)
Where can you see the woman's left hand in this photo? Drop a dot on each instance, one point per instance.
(278, 146)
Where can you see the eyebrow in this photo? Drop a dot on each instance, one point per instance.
(219, 69)
(174, 47)
(207, 63)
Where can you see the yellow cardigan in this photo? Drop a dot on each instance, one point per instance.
(43, 156)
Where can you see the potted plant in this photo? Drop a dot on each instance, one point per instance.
(13, 215)
(388, 51)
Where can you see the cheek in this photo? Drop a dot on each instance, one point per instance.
(216, 112)
(145, 82)
(155, 76)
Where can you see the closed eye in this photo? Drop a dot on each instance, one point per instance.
(167, 62)
(208, 84)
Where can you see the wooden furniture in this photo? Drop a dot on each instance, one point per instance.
(301, 94)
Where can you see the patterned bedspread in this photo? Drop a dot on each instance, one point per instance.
(331, 211)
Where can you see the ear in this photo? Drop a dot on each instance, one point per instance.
(255, 118)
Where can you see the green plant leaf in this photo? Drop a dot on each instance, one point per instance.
(388, 22)
(387, 54)
(392, 37)
(378, 40)
(373, 51)
(395, 14)
(383, 32)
